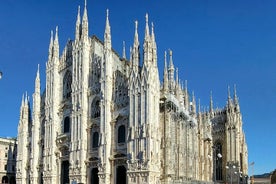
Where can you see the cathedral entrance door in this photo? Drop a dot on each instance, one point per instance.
(121, 175)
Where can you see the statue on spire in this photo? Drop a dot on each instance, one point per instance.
(107, 33)
(84, 22)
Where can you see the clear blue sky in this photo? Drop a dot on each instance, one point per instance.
(215, 44)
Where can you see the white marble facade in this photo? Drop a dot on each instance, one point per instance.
(104, 118)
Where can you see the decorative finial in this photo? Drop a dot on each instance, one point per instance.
(152, 31)
(136, 25)
(26, 98)
(199, 110)
(124, 50)
(170, 51)
(85, 3)
(211, 102)
(165, 58)
(236, 100)
(147, 18)
(229, 92)
(186, 84)
(171, 60)
(56, 36)
(176, 73)
(152, 35)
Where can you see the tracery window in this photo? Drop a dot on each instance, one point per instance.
(66, 125)
(95, 109)
(95, 140)
(121, 90)
(121, 134)
(95, 75)
(67, 82)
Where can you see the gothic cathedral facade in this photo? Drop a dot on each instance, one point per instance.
(106, 119)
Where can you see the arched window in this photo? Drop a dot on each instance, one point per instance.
(67, 82)
(95, 141)
(5, 179)
(121, 134)
(218, 161)
(66, 125)
(95, 109)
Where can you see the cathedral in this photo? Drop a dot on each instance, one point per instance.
(106, 119)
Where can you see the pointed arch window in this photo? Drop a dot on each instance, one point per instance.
(218, 161)
(122, 134)
(95, 141)
(66, 125)
(67, 82)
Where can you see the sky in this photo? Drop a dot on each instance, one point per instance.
(215, 44)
